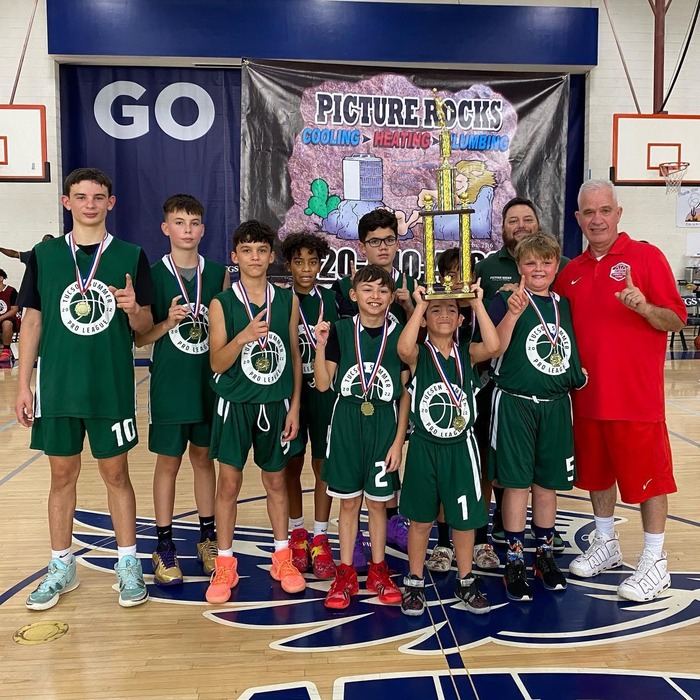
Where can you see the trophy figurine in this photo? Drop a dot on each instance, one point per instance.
(446, 206)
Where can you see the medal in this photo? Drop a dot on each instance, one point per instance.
(195, 333)
(459, 422)
(367, 408)
(82, 308)
(262, 364)
(555, 359)
(366, 383)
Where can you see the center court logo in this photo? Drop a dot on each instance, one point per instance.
(264, 366)
(438, 412)
(540, 351)
(191, 335)
(588, 612)
(89, 313)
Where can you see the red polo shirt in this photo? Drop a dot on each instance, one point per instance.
(623, 354)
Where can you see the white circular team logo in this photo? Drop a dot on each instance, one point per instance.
(382, 389)
(264, 366)
(89, 313)
(437, 412)
(191, 336)
(307, 352)
(3, 307)
(547, 359)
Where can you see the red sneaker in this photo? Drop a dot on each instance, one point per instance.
(322, 558)
(224, 578)
(286, 573)
(379, 582)
(344, 586)
(299, 544)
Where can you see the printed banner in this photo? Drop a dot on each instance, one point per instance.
(320, 149)
(157, 132)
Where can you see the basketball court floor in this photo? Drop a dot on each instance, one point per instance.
(582, 644)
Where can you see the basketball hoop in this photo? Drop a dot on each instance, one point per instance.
(673, 173)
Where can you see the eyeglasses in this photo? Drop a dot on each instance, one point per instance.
(376, 242)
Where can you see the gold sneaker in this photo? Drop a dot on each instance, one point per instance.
(207, 553)
(166, 568)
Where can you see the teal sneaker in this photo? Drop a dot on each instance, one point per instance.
(61, 578)
(132, 589)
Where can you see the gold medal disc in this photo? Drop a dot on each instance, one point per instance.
(195, 333)
(262, 364)
(555, 359)
(459, 423)
(367, 408)
(82, 308)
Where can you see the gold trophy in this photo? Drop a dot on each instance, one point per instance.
(446, 207)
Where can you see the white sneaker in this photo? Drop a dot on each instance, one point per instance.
(441, 559)
(650, 578)
(602, 554)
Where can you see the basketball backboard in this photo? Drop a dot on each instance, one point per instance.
(23, 144)
(642, 141)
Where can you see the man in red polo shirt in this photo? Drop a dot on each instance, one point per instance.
(624, 301)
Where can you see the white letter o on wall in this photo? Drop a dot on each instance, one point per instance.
(164, 115)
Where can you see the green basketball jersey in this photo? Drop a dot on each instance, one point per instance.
(532, 366)
(396, 311)
(259, 374)
(309, 306)
(433, 412)
(387, 384)
(86, 363)
(180, 370)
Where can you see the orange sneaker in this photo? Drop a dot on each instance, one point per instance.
(344, 586)
(299, 544)
(322, 558)
(286, 573)
(224, 578)
(379, 582)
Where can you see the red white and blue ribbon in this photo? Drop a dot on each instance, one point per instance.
(552, 337)
(367, 382)
(84, 282)
(455, 396)
(183, 288)
(262, 342)
(308, 329)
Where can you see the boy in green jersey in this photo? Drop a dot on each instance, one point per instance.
(254, 353)
(532, 446)
(442, 463)
(366, 435)
(85, 295)
(303, 253)
(181, 401)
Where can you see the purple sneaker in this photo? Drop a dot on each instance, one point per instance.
(361, 552)
(397, 532)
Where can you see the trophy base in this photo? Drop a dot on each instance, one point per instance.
(442, 294)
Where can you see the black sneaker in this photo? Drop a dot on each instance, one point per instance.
(515, 580)
(546, 568)
(413, 599)
(468, 592)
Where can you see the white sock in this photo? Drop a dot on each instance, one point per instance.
(126, 552)
(296, 523)
(65, 555)
(654, 543)
(280, 544)
(320, 528)
(606, 526)
(225, 552)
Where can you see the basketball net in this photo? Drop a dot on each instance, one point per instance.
(673, 173)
